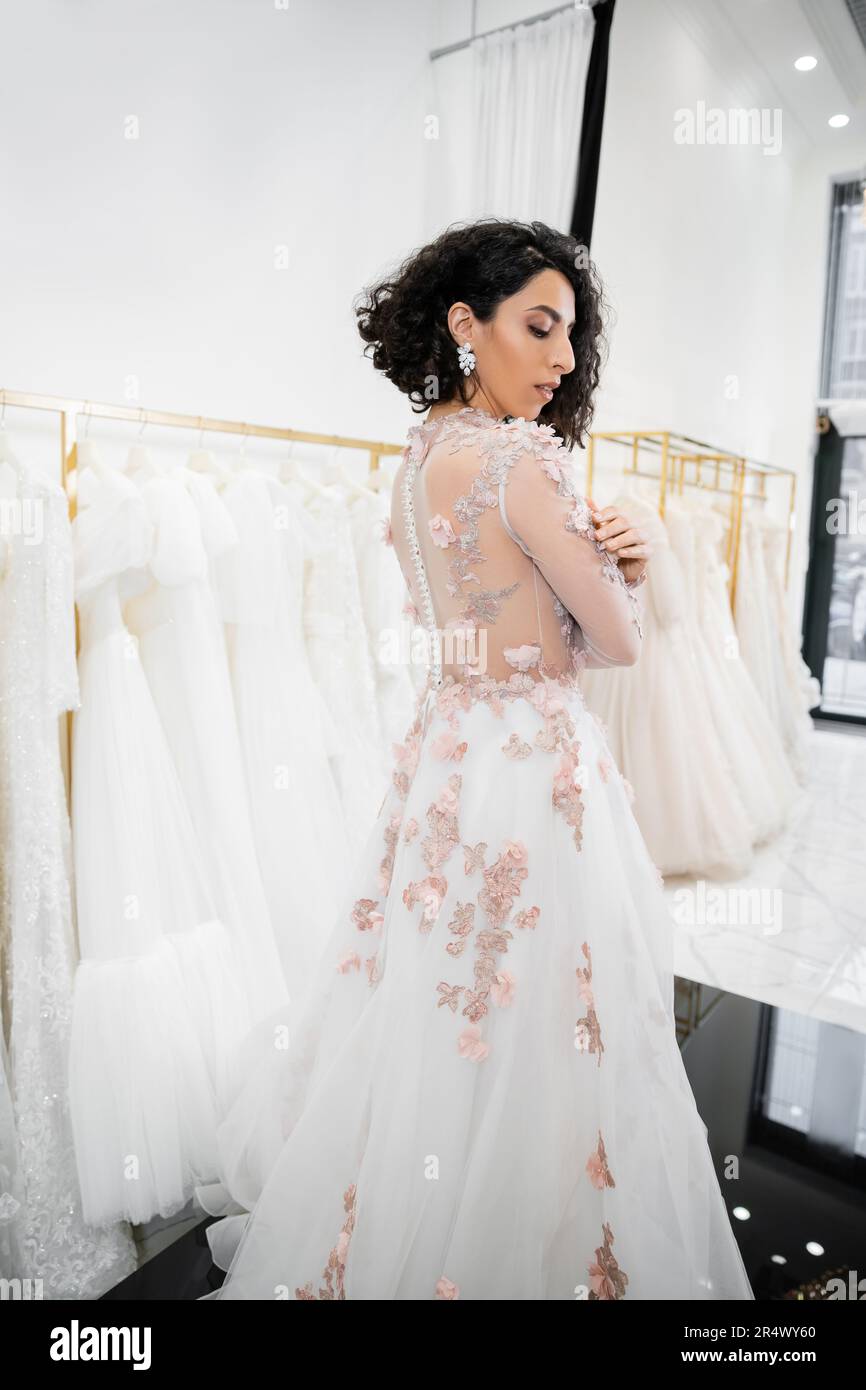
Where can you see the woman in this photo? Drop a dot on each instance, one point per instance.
(484, 1098)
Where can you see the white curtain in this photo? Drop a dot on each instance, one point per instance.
(528, 84)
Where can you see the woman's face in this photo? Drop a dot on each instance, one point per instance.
(525, 346)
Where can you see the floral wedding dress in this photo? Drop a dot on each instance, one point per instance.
(484, 1098)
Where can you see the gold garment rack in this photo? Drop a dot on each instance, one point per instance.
(68, 411)
(675, 452)
(673, 449)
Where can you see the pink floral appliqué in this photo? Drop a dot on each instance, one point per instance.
(431, 892)
(606, 1279)
(406, 757)
(365, 916)
(442, 820)
(461, 926)
(516, 747)
(471, 1045)
(474, 856)
(446, 746)
(334, 1273)
(446, 1290)
(386, 864)
(502, 989)
(502, 882)
(501, 885)
(597, 1167)
(522, 657)
(450, 995)
(587, 1031)
(527, 917)
(442, 531)
(567, 781)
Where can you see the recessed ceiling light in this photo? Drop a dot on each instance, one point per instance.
(806, 64)
(742, 1213)
(778, 1259)
(814, 1248)
(838, 120)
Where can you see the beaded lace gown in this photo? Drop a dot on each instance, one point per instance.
(45, 1234)
(484, 1098)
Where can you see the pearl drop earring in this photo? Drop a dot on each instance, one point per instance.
(466, 358)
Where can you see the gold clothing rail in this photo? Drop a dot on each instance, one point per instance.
(69, 409)
(679, 449)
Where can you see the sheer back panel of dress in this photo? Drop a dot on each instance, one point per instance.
(505, 546)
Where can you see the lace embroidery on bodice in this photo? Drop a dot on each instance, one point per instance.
(471, 490)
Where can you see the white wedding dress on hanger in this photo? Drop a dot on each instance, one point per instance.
(657, 717)
(382, 595)
(804, 689)
(158, 1013)
(182, 649)
(12, 1195)
(44, 1233)
(754, 752)
(763, 631)
(295, 805)
(339, 657)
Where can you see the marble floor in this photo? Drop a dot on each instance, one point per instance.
(802, 943)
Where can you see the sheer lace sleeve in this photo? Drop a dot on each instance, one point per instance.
(544, 513)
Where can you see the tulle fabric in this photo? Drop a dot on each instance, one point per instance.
(381, 588)
(181, 647)
(11, 1174)
(767, 643)
(157, 1010)
(339, 657)
(295, 809)
(658, 716)
(484, 1097)
(804, 689)
(742, 724)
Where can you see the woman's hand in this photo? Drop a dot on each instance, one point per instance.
(625, 543)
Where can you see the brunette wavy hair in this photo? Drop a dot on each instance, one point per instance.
(403, 319)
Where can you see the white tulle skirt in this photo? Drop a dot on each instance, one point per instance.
(484, 1097)
(158, 1015)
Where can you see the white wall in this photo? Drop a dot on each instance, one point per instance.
(147, 269)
